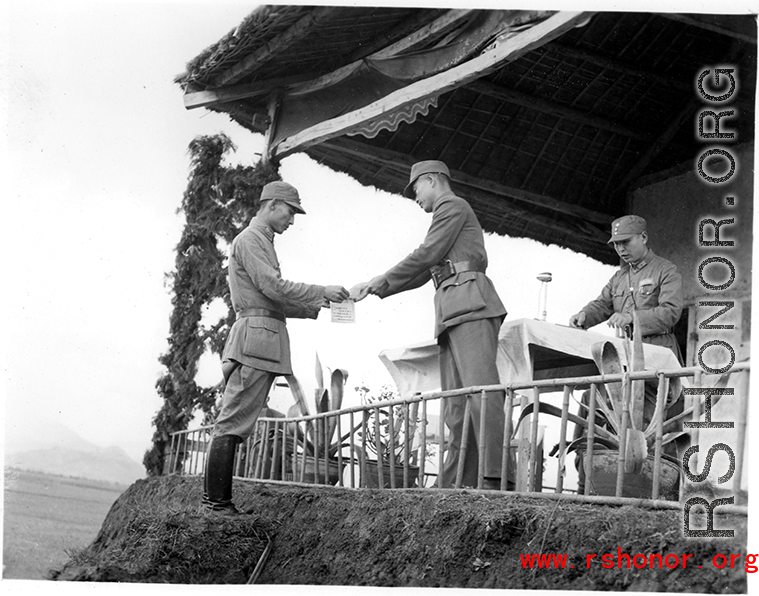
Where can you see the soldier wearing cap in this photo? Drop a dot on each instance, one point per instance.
(645, 283)
(468, 317)
(258, 346)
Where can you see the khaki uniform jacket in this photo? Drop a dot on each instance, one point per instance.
(255, 282)
(454, 234)
(653, 288)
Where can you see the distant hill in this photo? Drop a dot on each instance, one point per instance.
(109, 465)
(53, 448)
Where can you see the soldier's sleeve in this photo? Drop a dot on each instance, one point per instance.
(598, 310)
(414, 270)
(297, 300)
(663, 317)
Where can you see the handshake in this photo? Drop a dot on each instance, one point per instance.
(357, 293)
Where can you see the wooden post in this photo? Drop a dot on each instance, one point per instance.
(406, 443)
(588, 459)
(533, 447)
(378, 447)
(625, 423)
(506, 448)
(563, 438)
(660, 409)
(339, 451)
(391, 445)
(353, 466)
(364, 430)
(423, 456)
(274, 102)
(523, 453)
(742, 393)
(275, 455)
(481, 440)
(464, 441)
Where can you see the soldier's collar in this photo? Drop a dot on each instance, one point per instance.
(645, 260)
(265, 230)
(446, 195)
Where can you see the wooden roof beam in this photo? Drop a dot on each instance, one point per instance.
(711, 23)
(421, 19)
(211, 97)
(657, 146)
(464, 73)
(401, 163)
(270, 49)
(445, 23)
(735, 54)
(532, 199)
(206, 98)
(585, 237)
(440, 25)
(616, 65)
(554, 109)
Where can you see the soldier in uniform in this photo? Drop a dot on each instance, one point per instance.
(258, 346)
(468, 316)
(646, 284)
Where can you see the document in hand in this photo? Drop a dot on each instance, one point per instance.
(343, 312)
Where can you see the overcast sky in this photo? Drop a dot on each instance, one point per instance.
(97, 148)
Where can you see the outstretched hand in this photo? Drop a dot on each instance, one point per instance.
(359, 291)
(377, 286)
(336, 293)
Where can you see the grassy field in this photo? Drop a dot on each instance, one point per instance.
(45, 516)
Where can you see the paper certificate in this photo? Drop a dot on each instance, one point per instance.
(343, 312)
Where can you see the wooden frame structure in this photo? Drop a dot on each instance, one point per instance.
(546, 119)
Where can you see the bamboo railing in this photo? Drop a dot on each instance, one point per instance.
(289, 450)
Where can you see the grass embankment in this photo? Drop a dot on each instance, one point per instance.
(156, 532)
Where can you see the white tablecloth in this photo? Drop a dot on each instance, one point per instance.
(415, 368)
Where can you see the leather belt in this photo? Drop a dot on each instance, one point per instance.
(658, 334)
(261, 312)
(446, 269)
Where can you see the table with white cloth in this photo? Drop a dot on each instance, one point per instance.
(528, 350)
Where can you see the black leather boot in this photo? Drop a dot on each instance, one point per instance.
(218, 475)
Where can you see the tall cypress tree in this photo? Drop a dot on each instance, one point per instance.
(217, 204)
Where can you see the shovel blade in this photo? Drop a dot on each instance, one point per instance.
(636, 451)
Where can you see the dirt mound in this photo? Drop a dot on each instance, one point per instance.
(156, 532)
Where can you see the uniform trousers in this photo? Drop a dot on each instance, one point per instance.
(467, 358)
(245, 395)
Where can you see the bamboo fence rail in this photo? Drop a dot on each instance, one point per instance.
(279, 449)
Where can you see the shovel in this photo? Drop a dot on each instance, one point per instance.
(636, 449)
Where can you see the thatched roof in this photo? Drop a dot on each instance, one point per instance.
(546, 119)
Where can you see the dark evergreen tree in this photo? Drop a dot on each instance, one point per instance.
(217, 204)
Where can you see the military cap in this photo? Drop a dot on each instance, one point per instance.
(626, 227)
(431, 166)
(284, 192)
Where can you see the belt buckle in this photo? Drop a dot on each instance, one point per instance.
(442, 272)
(435, 273)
